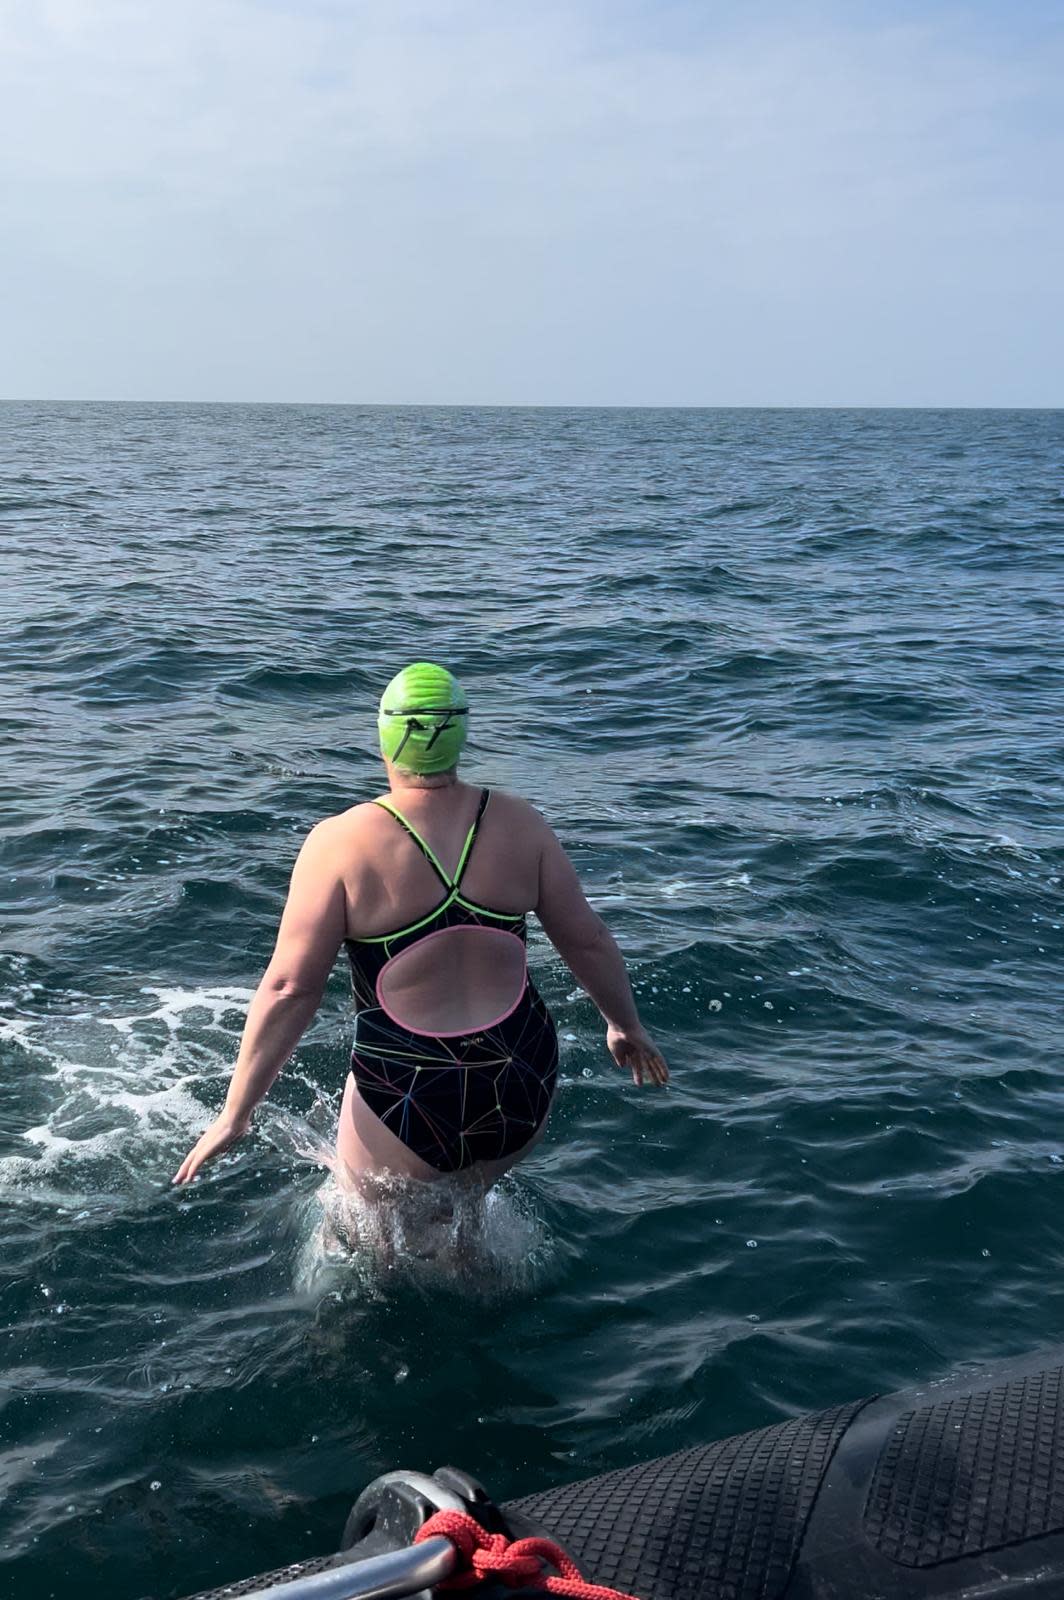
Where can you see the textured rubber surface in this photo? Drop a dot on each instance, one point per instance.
(267, 1580)
(972, 1474)
(721, 1522)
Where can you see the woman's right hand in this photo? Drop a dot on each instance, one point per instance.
(223, 1132)
(634, 1050)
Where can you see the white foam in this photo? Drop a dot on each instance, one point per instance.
(120, 1091)
(430, 1236)
(125, 1093)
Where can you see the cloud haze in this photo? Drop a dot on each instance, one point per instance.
(479, 201)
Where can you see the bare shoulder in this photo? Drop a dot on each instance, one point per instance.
(366, 814)
(518, 814)
(347, 830)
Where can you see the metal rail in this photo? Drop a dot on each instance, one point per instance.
(391, 1576)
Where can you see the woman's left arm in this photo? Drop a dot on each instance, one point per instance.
(312, 929)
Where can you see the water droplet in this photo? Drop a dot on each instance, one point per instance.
(715, 1005)
(751, 1244)
(984, 1252)
(769, 1006)
(155, 1486)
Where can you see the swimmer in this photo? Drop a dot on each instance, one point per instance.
(429, 888)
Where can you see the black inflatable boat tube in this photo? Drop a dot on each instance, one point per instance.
(952, 1490)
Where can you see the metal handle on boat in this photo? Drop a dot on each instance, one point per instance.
(391, 1576)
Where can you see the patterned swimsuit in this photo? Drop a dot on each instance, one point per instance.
(452, 1099)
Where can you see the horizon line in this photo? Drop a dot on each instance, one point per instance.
(525, 405)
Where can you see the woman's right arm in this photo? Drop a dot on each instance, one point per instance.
(312, 929)
(590, 951)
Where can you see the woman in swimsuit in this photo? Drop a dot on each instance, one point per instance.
(455, 1054)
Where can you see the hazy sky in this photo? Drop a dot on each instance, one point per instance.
(599, 202)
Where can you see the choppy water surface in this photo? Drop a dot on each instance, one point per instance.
(788, 684)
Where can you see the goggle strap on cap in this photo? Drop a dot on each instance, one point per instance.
(426, 711)
(409, 729)
(448, 713)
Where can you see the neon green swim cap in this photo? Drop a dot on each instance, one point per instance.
(422, 719)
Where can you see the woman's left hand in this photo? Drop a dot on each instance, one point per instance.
(223, 1131)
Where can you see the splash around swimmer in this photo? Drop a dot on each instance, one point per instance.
(429, 888)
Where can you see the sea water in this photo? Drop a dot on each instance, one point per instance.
(789, 687)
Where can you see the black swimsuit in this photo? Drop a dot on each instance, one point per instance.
(452, 1100)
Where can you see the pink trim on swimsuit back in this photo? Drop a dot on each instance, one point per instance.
(454, 1033)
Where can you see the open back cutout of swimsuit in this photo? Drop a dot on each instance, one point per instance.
(454, 1050)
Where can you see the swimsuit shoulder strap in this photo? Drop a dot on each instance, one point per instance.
(471, 837)
(430, 857)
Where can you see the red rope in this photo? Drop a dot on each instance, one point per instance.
(519, 1564)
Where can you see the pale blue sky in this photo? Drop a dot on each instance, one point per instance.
(516, 201)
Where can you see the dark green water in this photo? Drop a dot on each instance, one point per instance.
(789, 686)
